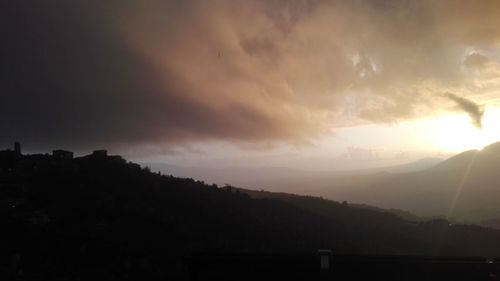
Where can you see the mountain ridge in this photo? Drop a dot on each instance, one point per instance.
(96, 216)
(463, 187)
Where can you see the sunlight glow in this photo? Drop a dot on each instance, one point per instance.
(455, 133)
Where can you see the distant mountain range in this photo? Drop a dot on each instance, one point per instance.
(281, 179)
(465, 187)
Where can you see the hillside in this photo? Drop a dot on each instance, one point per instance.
(464, 187)
(99, 217)
(327, 207)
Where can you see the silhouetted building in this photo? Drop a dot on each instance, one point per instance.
(62, 154)
(100, 153)
(117, 159)
(17, 147)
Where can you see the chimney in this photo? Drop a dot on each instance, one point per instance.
(17, 147)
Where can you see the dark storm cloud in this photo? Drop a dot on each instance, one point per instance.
(118, 73)
(474, 110)
(70, 79)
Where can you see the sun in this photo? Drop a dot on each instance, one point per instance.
(455, 133)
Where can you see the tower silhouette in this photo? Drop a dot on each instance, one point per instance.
(17, 147)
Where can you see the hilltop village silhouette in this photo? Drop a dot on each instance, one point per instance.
(59, 154)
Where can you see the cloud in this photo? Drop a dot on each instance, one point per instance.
(163, 73)
(362, 154)
(476, 61)
(474, 110)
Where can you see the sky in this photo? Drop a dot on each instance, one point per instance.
(309, 84)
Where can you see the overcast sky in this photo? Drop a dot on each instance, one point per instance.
(196, 80)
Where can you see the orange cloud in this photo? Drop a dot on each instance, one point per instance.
(171, 72)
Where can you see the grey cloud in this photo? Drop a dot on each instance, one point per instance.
(474, 110)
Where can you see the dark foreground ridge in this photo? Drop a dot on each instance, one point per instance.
(325, 266)
(100, 217)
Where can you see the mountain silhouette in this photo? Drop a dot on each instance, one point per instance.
(101, 217)
(463, 187)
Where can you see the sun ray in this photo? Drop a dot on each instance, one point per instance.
(458, 191)
(454, 201)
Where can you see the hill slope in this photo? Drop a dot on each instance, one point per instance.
(282, 179)
(464, 187)
(99, 217)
